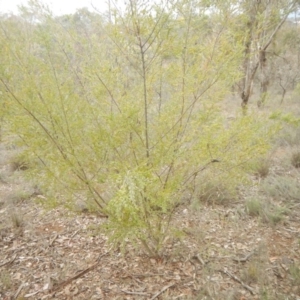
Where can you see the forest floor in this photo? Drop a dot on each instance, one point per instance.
(228, 252)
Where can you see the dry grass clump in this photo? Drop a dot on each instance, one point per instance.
(261, 168)
(3, 178)
(254, 207)
(16, 219)
(295, 159)
(213, 193)
(18, 165)
(289, 136)
(18, 161)
(19, 196)
(253, 273)
(268, 212)
(284, 188)
(274, 214)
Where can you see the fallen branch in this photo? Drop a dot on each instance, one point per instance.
(247, 287)
(19, 290)
(148, 275)
(32, 294)
(68, 281)
(163, 290)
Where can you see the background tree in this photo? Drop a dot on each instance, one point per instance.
(286, 59)
(256, 24)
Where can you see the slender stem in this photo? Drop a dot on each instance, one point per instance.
(144, 76)
(145, 104)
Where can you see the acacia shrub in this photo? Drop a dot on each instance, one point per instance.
(127, 118)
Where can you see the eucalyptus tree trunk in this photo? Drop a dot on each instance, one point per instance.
(257, 41)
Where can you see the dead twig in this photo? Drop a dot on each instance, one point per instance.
(74, 233)
(68, 281)
(244, 259)
(73, 236)
(247, 287)
(163, 290)
(9, 262)
(134, 293)
(197, 258)
(52, 241)
(148, 275)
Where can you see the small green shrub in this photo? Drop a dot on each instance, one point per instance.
(254, 207)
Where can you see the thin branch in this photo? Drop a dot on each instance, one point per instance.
(279, 26)
(134, 293)
(162, 291)
(153, 30)
(245, 258)
(42, 126)
(247, 287)
(109, 91)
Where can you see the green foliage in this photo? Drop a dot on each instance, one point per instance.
(235, 148)
(287, 118)
(127, 119)
(138, 196)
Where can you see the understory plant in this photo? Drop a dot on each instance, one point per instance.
(125, 114)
